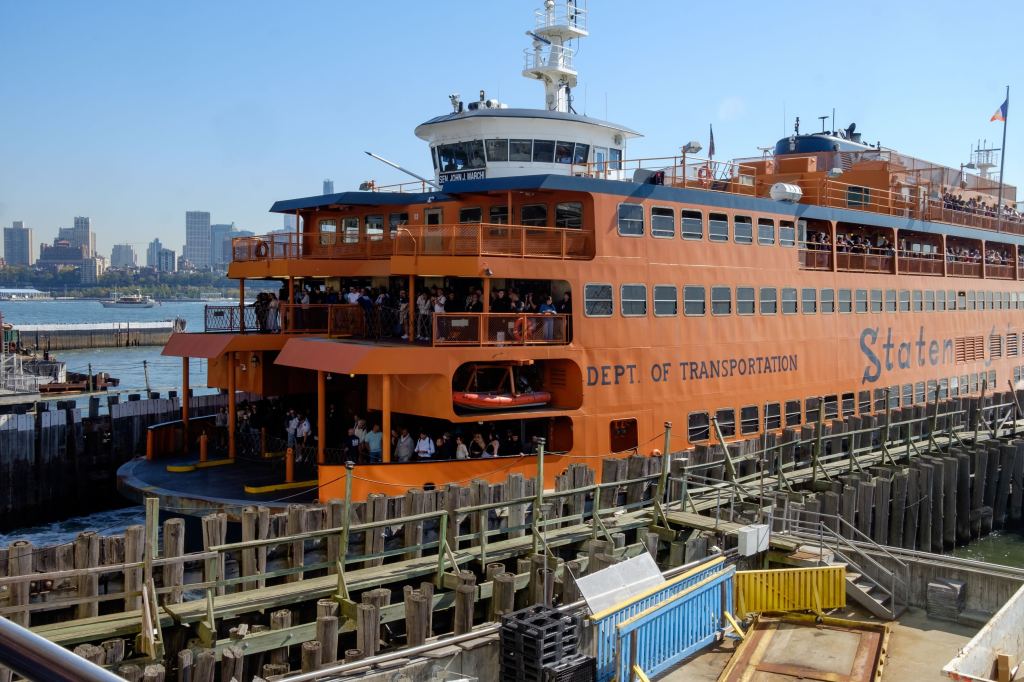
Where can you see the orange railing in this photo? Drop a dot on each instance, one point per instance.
(871, 260)
(815, 256)
(960, 268)
(999, 271)
(919, 264)
(499, 329)
(470, 239)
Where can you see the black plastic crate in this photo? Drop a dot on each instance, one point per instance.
(578, 668)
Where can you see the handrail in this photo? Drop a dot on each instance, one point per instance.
(37, 658)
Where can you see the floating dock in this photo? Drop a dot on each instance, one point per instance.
(55, 337)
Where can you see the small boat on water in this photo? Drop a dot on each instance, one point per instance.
(129, 301)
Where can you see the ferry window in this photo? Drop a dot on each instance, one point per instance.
(697, 426)
(943, 389)
(908, 394)
(615, 159)
(879, 399)
(749, 419)
(992, 379)
(940, 300)
(623, 434)
(792, 413)
(743, 229)
(858, 196)
(520, 150)
(932, 389)
(864, 402)
(1014, 301)
(663, 222)
(563, 152)
(788, 301)
(329, 231)
(969, 300)
(597, 300)
(534, 215)
(692, 225)
(466, 215)
(634, 300)
(350, 230)
(894, 397)
(862, 300)
(666, 302)
(497, 150)
(831, 407)
(375, 227)
(904, 300)
(769, 301)
(787, 233)
(461, 155)
(848, 405)
(845, 302)
(961, 300)
(828, 301)
(581, 153)
(974, 383)
(433, 157)
(745, 300)
(396, 220)
(929, 301)
(721, 301)
(965, 384)
(543, 151)
(919, 392)
(809, 301)
(569, 214)
(498, 215)
(918, 301)
(811, 410)
(600, 158)
(694, 301)
(876, 300)
(631, 220)
(726, 418)
(765, 231)
(890, 300)
(772, 417)
(718, 227)
(989, 300)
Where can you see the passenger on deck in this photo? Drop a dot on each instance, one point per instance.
(493, 446)
(425, 446)
(374, 440)
(446, 447)
(477, 446)
(291, 427)
(405, 447)
(461, 451)
(351, 446)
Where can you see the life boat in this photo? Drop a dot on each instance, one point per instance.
(492, 400)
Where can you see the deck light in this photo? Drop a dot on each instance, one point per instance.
(692, 147)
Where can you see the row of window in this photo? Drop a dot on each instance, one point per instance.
(476, 154)
(599, 300)
(632, 223)
(794, 412)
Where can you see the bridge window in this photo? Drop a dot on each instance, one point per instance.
(563, 152)
(904, 301)
(597, 300)
(726, 418)
(666, 300)
(890, 300)
(749, 419)
(876, 300)
(721, 301)
(543, 151)
(466, 215)
(461, 155)
(787, 233)
(792, 413)
(769, 301)
(694, 302)
(743, 229)
(581, 153)
(697, 426)
(631, 220)
(329, 232)
(789, 301)
(520, 150)
(718, 227)
(828, 301)
(663, 222)
(534, 215)
(615, 159)
(809, 301)
(692, 225)
(375, 227)
(845, 302)
(772, 417)
(396, 220)
(858, 196)
(569, 214)
(350, 230)
(498, 215)
(765, 231)
(862, 300)
(745, 300)
(634, 300)
(497, 150)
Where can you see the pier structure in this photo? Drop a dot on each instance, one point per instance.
(55, 337)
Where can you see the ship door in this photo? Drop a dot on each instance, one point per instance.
(433, 235)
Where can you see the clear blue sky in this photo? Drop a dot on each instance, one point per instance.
(134, 112)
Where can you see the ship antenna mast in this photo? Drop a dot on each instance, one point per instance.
(550, 59)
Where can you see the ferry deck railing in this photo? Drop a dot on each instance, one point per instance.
(675, 171)
(500, 329)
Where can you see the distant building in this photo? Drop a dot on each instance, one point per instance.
(123, 256)
(92, 269)
(328, 186)
(289, 222)
(197, 239)
(184, 264)
(66, 234)
(165, 261)
(82, 235)
(60, 254)
(18, 245)
(220, 245)
(152, 253)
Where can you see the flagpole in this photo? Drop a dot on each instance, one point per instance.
(1002, 164)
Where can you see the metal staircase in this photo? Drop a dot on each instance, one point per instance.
(879, 585)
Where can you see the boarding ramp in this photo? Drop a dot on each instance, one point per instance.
(996, 653)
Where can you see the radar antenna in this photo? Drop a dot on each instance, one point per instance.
(550, 59)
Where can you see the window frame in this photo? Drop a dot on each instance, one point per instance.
(748, 238)
(752, 301)
(703, 300)
(690, 427)
(619, 219)
(675, 300)
(671, 214)
(711, 236)
(587, 299)
(768, 223)
(623, 299)
(682, 222)
(728, 291)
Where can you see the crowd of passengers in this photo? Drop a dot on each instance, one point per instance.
(968, 254)
(956, 202)
(853, 242)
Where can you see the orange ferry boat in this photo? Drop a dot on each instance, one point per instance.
(829, 275)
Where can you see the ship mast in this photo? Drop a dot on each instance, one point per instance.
(551, 59)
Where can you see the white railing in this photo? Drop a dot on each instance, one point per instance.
(549, 57)
(571, 13)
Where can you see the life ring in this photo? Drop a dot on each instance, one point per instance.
(521, 329)
(704, 175)
(262, 249)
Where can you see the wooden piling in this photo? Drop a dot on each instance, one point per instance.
(255, 526)
(297, 548)
(412, 532)
(963, 498)
(924, 502)
(465, 599)
(910, 509)
(185, 663)
(174, 546)
(232, 664)
(19, 562)
(310, 656)
(87, 555)
(204, 667)
(215, 530)
(503, 595)
(570, 591)
(880, 527)
(950, 476)
(417, 614)
(515, 488)
(1002, 498)
(280, 620)
(134, 548)
(154, 673)
(327, 636)
(368, 629)
(865, 506)
(376, 510)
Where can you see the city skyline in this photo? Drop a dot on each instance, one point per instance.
(131, 157)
